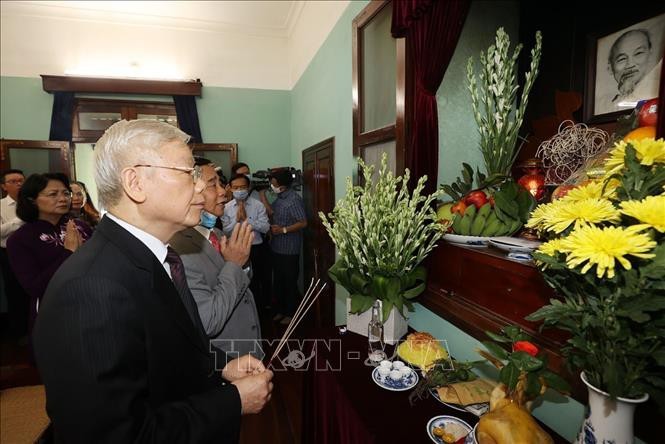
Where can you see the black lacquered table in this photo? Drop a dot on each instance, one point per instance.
(342, 404)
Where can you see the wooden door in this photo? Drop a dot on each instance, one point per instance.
(319, 250)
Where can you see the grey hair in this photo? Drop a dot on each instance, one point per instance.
(613, 49)
(125, 144)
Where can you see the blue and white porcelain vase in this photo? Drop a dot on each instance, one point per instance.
(607, 421)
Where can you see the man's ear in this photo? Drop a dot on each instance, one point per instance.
(133, 184)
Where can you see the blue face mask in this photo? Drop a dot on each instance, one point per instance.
(240, 195)
(208, 220)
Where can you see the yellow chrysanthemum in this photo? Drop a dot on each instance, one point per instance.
(592, 190)
(603, 247)
(650, 211)
(551, 248)
(539, 215)
(648, 152)
(561, 214)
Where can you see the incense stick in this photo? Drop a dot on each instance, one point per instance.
(304, 307)
(289, 329)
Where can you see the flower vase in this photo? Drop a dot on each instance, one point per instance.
(394, 328)
(607, 421)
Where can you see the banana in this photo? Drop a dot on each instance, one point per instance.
(501, 229)
(516, 225)
(492, 224)
(467, 220)
(480, 219)
(456, 223)
(470, 212)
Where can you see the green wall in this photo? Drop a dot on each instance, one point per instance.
(458, 132)
(321, 107)
(257, 120)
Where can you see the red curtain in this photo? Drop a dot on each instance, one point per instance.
(432, 29)
(660, 126)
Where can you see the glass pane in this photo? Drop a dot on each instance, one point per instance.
(372, 156)
(97, 121)
(35, 161)
(171, 120)
(379, 66)
(219, 158)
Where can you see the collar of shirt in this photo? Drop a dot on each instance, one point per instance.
(7, 200)
(158, 248)
(205, 232)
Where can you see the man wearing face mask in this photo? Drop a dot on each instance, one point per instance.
(289, 221)
(214, 271)
(244, 208)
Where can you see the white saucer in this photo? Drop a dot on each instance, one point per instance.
(469, 241)
(396, 386)
(514, 244)
(443, 420)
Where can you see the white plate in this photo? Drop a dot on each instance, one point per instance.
(469, 241)
(396, 386)
(443, 420)
(514, 244)
(477, 409)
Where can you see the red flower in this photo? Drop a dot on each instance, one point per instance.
(526, 347)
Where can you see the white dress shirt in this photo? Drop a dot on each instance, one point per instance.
(256, 217)
(9, 221)
(158, 248)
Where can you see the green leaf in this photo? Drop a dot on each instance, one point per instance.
(533, 385)
(387, 307)
(413, 292)
(509, 375)
(498, 338)
(525, 361)
(495, 350)
(359, 303)
(511, 331)
(555, 381)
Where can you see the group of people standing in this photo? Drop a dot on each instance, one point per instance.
(45, 218)
(147, 327)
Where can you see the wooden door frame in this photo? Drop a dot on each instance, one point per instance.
(326, 143)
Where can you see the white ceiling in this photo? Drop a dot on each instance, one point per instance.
(275, 18)
(250, 44)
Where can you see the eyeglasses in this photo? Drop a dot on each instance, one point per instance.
(15, 181)
(54, 194)
(195, 171)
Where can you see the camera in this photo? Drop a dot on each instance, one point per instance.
(261, 178)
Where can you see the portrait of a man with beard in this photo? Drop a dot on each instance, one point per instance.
(634, 62)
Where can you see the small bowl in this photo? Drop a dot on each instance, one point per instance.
(396, 375)
(386, 364)
(405, 371)
(383, 373)
(398, 365)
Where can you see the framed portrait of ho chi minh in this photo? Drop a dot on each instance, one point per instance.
(622, 68)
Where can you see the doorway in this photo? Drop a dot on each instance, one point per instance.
(319, 251)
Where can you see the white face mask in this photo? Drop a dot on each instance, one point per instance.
(275, 189)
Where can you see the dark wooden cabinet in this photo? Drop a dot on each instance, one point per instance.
(479, 289)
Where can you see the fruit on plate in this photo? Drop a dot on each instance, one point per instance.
(511, 209)
(444, 212)
(648, 115)
(421, 349)
(640, 133)
(477, 198)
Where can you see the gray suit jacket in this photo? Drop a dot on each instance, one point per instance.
(220, 289)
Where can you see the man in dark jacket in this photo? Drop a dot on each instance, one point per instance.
(118, 341)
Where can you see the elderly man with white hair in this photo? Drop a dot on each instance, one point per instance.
(119, 343)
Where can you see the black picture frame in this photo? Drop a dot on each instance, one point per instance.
(591, 77)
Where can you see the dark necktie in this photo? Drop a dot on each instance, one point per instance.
(180, 282)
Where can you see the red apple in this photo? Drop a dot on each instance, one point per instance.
(648, 114)
(477, 198)
(561, 191)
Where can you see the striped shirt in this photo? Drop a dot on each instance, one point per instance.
(288, 209)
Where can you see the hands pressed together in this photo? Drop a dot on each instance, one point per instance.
(73, 238)
(253, 381)
(237, 246)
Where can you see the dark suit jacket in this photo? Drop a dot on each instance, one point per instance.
(119, 356)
